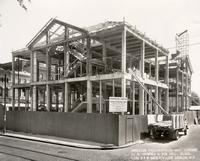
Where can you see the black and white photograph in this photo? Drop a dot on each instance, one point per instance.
(99, 80)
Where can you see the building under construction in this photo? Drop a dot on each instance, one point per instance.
(78, 69)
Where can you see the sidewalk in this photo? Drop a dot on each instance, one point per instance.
(65, 141)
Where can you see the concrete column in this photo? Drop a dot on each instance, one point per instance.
(156, 97)
(150, 101)
(34, 99)
(141, 90)
(150, 69)
(13, 82)
(186, 93)
(48, 65)
(88, 64)
(104, 88)
(156, 79)
(66, 59)
(100, 96)
(123, 63)
(145, 104)
(89, 96)
(182, 92)
(18, 98)
(13, 70)
(177, 89)
(159, 99)
(57, 99)
(48, 97)
(27, 98)
(167, 82)
(133, 95)
(67, 98)
(113, 87)
(13, 98)
(35, 67)
(31, 66)
(105, 55)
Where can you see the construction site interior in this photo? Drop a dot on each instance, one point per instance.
(76, 69)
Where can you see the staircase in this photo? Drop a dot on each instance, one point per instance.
(142, 85)
(79, 104)
(77, 49)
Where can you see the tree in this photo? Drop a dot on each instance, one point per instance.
(22, 3)
(195, 99)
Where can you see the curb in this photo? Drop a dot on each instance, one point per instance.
(69, 144)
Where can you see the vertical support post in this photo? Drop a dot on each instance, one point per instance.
(123, 64)
(34, 99)
(104, 89)
(100, 96)
(145, 104)
(133, 95)
(88, 64)
(150, 101)
(48, 65)
(89, 96)
(186, 92)
(26, 98)
(57, 100)
(150, 69)
(156, 79)
(5, 109)
(48, 97)
(159, 98)
(18, 98)
(177, 89)
(67, 98)
(105, 55)
(66, 53)
(35, 67)
(13, 82)
(141, 90)
(189, 88)
(182, 92)
(167, 82)
(113, 87)
(89, 83)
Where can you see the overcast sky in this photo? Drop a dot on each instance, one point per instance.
(159, 19)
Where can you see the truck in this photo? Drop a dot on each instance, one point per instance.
(163, 125)
(167, 125)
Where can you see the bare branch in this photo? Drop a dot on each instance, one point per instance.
(21, 3)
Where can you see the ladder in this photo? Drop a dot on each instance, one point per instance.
(142, 85)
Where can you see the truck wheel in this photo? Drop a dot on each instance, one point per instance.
(175, 135)
(156, 135)
(185, 131)
(151, 133)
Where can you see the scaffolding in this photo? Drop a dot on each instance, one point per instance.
(182, 43)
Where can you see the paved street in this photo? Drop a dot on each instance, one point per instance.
(185, 149)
